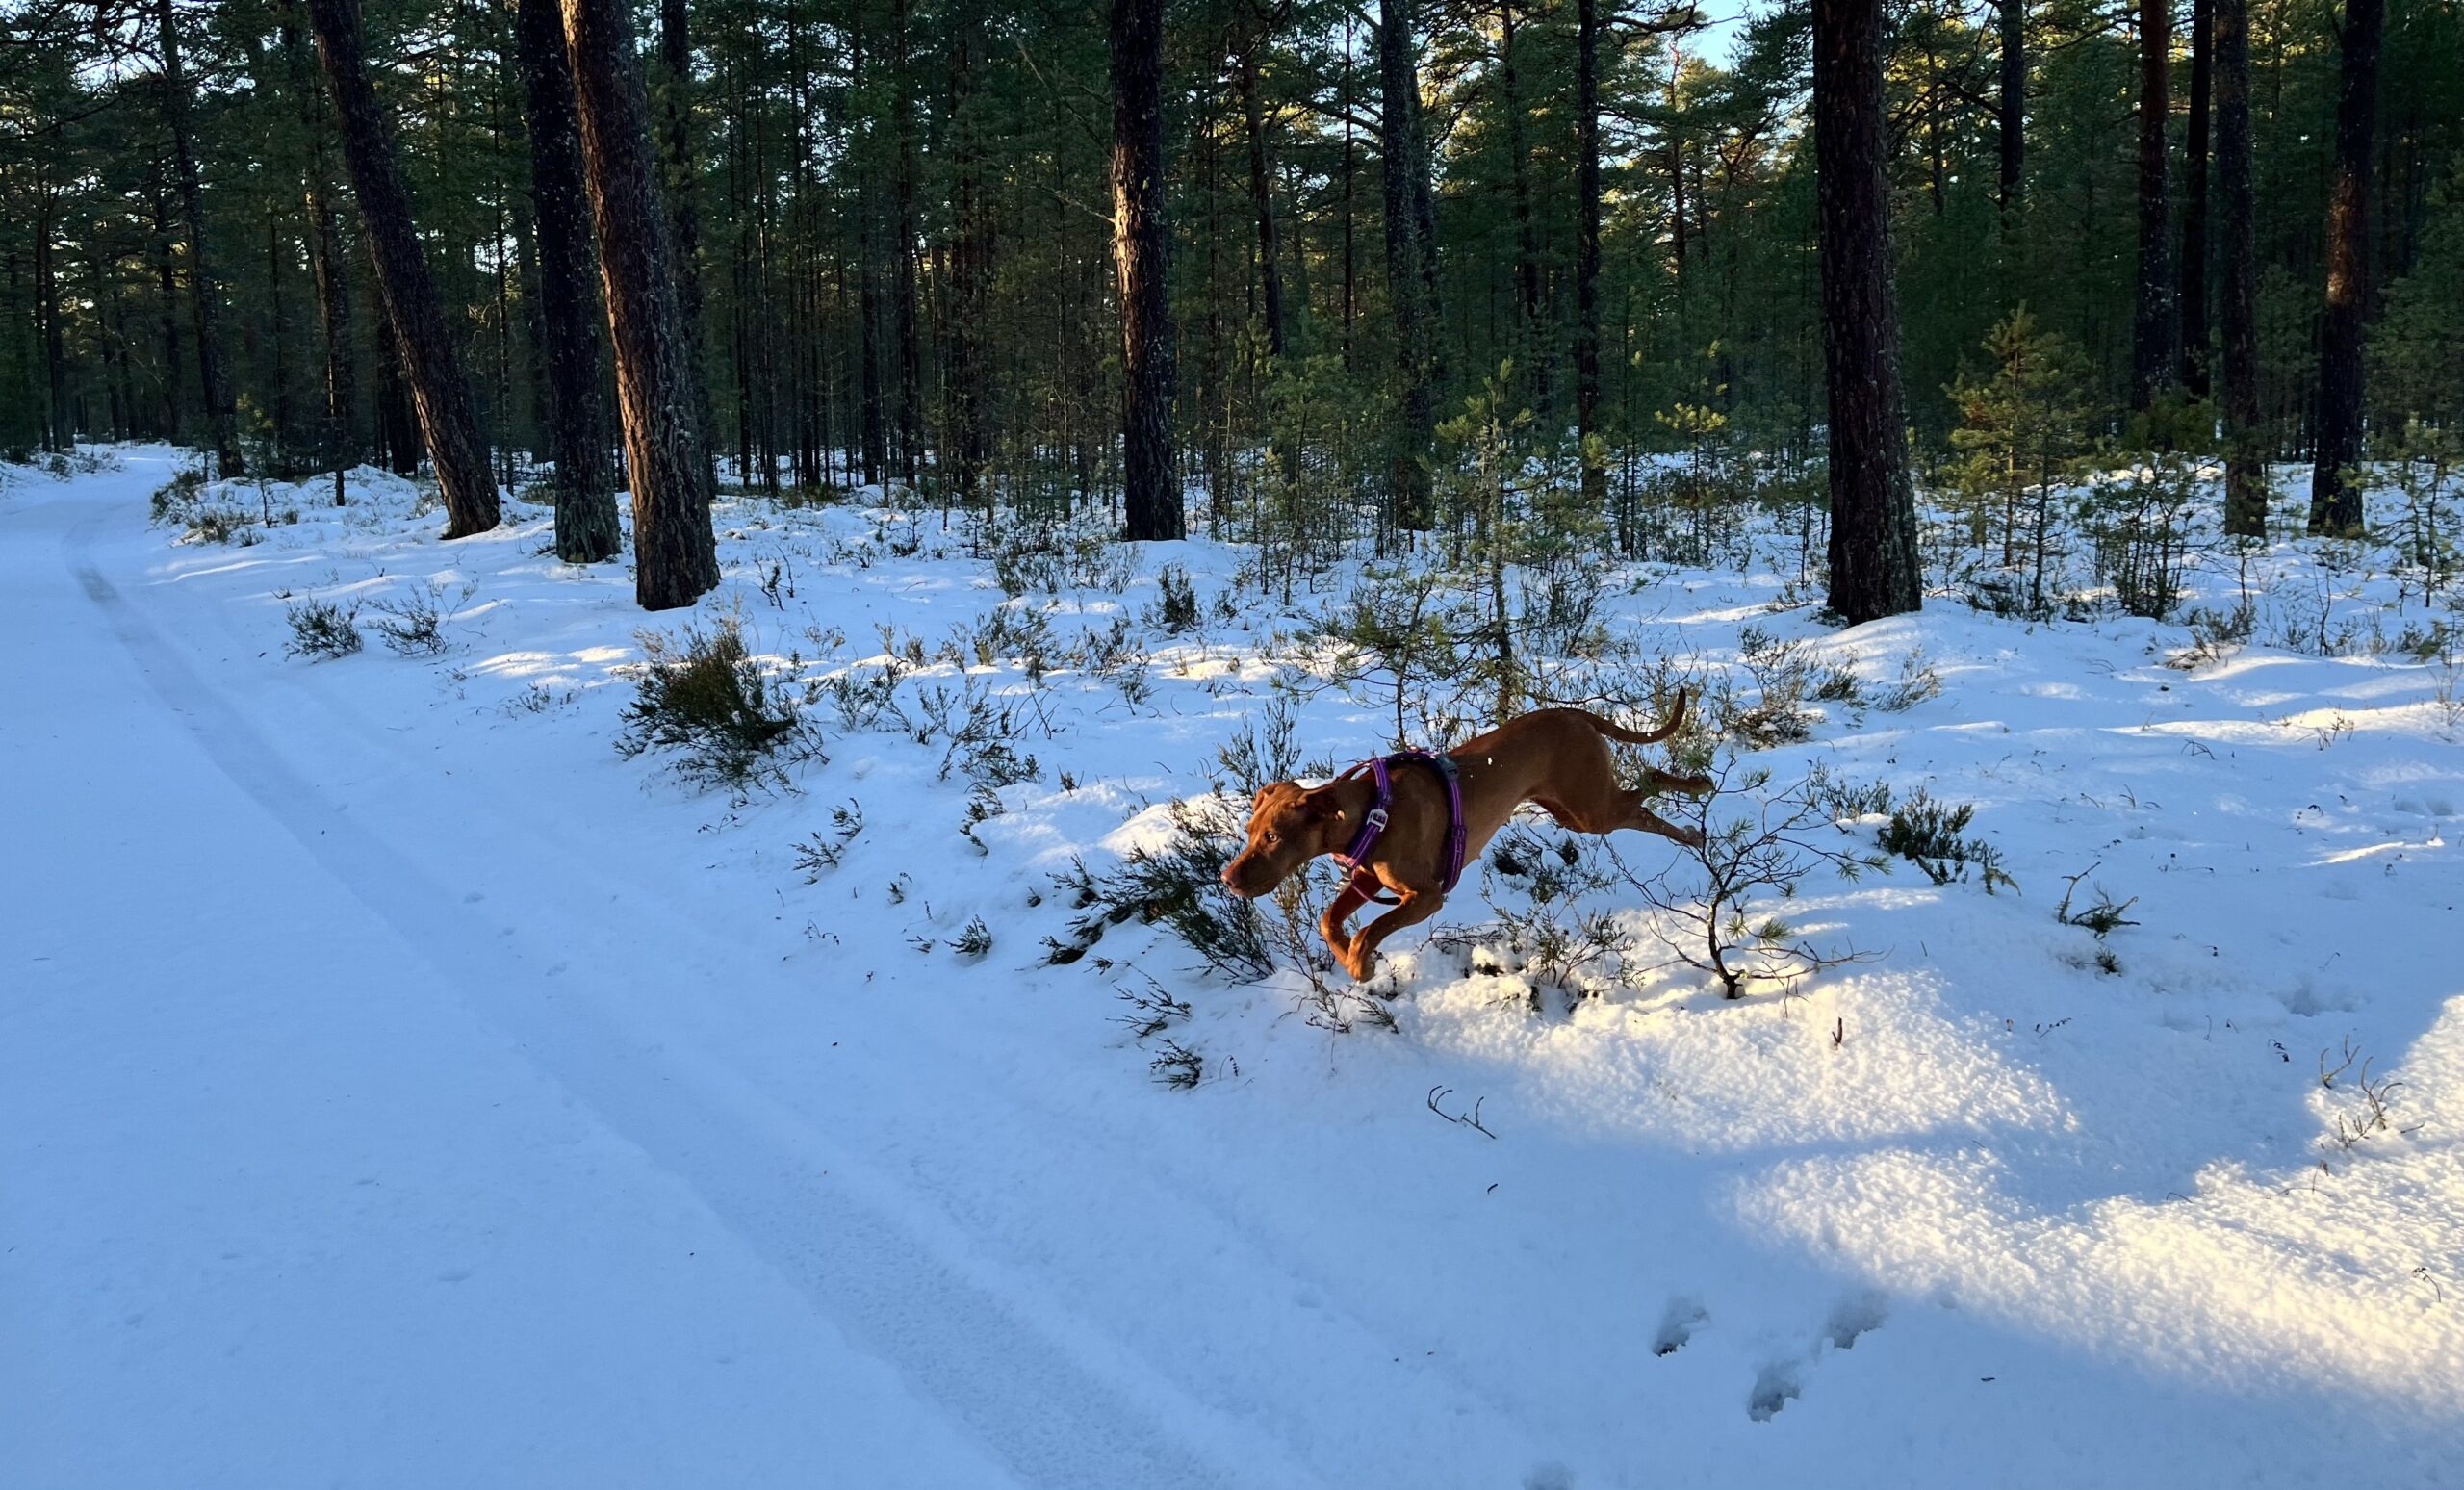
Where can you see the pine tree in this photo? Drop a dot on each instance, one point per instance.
(2335, 496)
(440, 390)
(675, 551)
(2238, 308)
(1152, 488)
(568, 313)
(2156, 323)
(1873, 512)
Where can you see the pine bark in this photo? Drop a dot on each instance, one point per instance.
(2238, 305)
(675, 552)
(327, 264)
(1527, 242)
(398, 427)
(175, 395)
(568, 313)
(1151, 492)
(440, 390)
(2195, 357)
(970, 267)
(906, 230)
(1874, 568)
(1261, 186)
(685, 212)
(2335, 500)
(1595, 474)
(205, 296)
(2011, 107)
(1411, 263)
(2155, 319)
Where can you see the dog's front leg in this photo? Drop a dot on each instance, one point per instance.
(1360, 959)
(1330, 924)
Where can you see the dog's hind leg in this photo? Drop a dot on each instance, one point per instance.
(1644, 819)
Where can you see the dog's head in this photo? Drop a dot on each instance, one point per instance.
(1289, 826)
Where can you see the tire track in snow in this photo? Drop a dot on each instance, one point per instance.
(1461, 1416)
(1056, 1399)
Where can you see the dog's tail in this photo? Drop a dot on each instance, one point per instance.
(1618, 732)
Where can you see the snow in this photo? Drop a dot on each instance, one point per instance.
(398, 1088)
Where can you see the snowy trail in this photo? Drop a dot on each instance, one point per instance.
(146, 740)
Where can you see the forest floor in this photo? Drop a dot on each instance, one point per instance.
(399, 1087)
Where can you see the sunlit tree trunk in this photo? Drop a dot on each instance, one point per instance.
(675, 552)
(1150, 490)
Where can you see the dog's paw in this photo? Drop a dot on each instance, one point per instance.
(1362, 966)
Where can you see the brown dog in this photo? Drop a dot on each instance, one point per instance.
(1558, 757)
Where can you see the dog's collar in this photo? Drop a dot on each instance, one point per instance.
(1372, 823)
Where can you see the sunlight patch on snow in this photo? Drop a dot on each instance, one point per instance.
(1707, 1075)
(2334, 1277)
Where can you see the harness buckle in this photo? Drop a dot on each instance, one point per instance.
(1375, 821)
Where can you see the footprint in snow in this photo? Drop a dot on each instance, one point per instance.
(1774, 1388)
(1854, 1318)
(1684, 1316)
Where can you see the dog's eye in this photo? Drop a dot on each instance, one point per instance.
(1273, 838)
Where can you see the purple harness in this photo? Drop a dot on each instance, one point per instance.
(1374, 824)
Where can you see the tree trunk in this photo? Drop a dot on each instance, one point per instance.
(57, 433)
(2245, 474)
(685, 215)
(168, 282)
(1595, 471)
(205, 297)
(676, 557)
(1873, 516)
(1411, 261)
(2335, 501)
(905, 230)
(585, 481)
(2012, 106)
(439, 388)
(2155, 320)
(325, 261)
(1527, 242)
(397, 428)
(2194, 351)
(970, 265)
(1261, 184)
(1151, 493)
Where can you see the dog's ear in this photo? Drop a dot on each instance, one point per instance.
(1320, 806)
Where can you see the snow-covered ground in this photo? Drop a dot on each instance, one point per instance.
(399, 1088)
